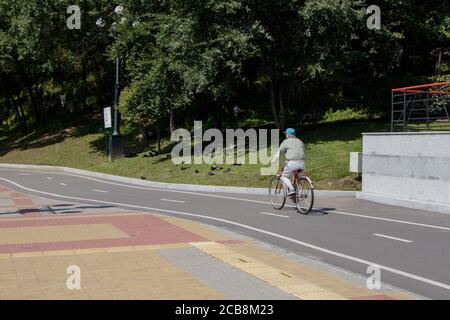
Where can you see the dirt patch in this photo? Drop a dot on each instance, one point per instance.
(346, 183)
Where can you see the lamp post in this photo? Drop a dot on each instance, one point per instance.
(116, 140)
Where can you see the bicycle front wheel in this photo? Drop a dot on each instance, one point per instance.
(304, 195)
(277, 193)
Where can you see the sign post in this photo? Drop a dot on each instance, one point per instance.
(107, 117)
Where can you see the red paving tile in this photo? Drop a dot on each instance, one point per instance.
(23, 202)
(18, 195)
(141, 229)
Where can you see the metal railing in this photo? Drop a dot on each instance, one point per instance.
(423, 107)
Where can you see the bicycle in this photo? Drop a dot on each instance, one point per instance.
(304, 192)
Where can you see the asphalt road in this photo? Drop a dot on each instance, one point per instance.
(411, 247)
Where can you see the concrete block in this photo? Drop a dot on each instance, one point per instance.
(356, 162)
(407, 169)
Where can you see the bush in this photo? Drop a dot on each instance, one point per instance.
(344, 114)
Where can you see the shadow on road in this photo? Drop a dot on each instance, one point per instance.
(321, 211)
(55, 209)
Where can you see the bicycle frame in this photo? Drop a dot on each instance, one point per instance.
(297, 177)
(304, 191)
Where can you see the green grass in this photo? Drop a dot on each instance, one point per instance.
(327, 156)
(437, 125)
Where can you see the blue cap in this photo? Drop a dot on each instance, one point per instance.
(290, 131)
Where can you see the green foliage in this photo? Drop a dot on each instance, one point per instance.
(150, 98)
(344, 115)
(199, 58)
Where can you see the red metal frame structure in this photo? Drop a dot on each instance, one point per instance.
(423, 104)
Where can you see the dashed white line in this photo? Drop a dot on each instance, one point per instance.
(386, 219)
(25, 174)
(240, 199)
(174, 201)
(392, 238)
(100, 191)
(49, 178)
(62, 184)
(273, 234)
(275, 215)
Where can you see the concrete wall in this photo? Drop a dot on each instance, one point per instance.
(407, 169)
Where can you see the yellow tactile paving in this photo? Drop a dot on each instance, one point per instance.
(296, 286)
(197, 229)
(324, 280)
(43, 234)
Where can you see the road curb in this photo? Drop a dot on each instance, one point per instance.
(166, 185)
(406, 203)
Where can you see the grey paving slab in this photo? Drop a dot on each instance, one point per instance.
(234, 283)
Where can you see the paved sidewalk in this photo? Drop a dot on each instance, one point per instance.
(137, 255)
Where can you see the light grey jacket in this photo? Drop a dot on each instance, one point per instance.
(293, 148)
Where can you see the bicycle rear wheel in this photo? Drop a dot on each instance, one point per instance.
(304, 195)
(277, 193)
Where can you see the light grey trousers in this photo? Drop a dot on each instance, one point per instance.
(289, 168)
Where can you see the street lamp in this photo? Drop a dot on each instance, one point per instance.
(116, 141)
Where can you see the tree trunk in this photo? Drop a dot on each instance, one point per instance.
(145, 137)
(20, 118)
(39, 97)
(18, 106)
(172, 121)
(283, 108)
(22, 113)
(29, 89)
(16, 113)
(84, 79)
(217, 115)
(158, 139)
(273, 104)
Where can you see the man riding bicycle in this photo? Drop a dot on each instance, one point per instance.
(294, 150)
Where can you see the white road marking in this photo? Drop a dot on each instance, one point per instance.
(100, 191)
(390, 220)
(273, 214)
(392, 238)
(237, 199)
(175, 201)
(49, 178)
(276, 235)
(25, 174)
(63, 184)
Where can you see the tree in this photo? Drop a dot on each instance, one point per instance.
(151, 99)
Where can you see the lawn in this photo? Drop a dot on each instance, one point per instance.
(327, 156)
